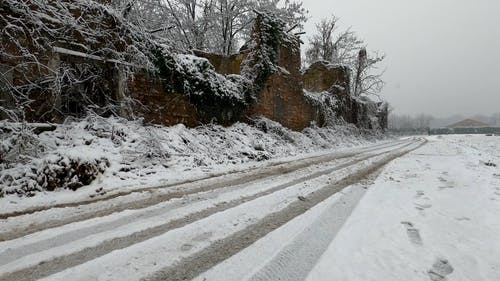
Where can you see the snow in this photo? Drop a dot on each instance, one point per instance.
(200, 71)
(429, 215)
(148, 256)
(432, 214)
(156, 215)
(321, 98)
(266, 254)
(141, 156)
(225, 222)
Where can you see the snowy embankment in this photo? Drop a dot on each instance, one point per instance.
(431, 215)
(99, 157)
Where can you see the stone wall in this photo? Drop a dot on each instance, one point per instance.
(157, 105)
(321, 76)
(282, 98)
(146, 94)
(224, 64)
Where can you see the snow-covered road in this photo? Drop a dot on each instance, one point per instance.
(179, 232)
(433, 214)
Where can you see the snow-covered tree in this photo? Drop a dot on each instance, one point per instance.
(219, 26)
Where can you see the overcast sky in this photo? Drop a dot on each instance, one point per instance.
(443, 56)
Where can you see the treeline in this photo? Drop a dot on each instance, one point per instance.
(426, 121)
(407, 122)
(217, 26)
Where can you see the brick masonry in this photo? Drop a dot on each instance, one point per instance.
(321, 76)
(282, 98)
(157, 105)
(225, 64)
(144, 94)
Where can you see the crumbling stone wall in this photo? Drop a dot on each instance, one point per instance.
(162, 96)
(225, 64)
(322, 75)
(157, 105)
(282, 98)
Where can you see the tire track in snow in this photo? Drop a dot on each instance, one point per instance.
(296, 164)
(245, 177)
(192, 266)
(298, 258)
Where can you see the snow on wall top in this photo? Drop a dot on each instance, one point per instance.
(201, 71)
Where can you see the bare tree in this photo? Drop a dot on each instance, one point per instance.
(496, 119)
(345, 48)
(330, 44)
(368, 77)
(234, 19)
(32, 29)
(423, 121)
(218, 26)
(406, 122)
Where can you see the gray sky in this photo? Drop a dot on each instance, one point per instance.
(443, 56)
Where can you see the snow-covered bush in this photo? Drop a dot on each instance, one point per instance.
(50, 173)
(327, 105)
(116, 151)
(18, 144)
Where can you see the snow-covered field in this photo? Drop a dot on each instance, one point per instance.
(433, 214)
(430, 214)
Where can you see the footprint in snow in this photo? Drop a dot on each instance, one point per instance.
(413, 233)
(440, 269)
(420, 193)
(448, 185)
(422, 207)
(186, 247)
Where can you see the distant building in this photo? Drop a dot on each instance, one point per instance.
(468, 123)
(467, 126)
